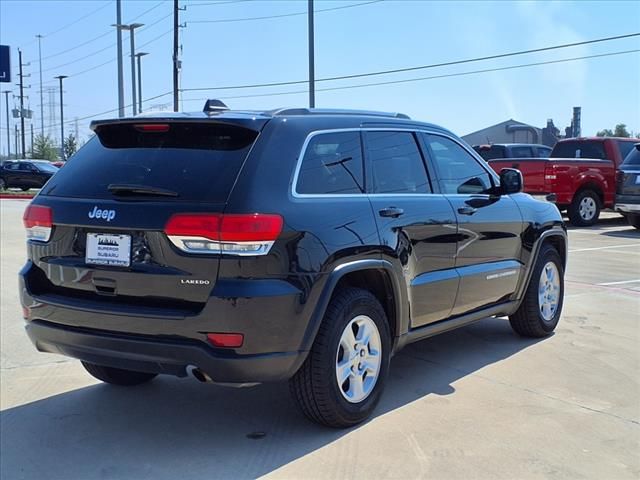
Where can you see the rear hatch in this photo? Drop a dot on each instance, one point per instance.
(628, 182)
(110, 207)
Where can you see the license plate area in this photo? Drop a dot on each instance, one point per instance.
(108, 249)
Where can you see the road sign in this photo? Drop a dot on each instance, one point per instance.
(5, 63)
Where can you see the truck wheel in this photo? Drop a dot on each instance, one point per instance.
(341, 380)
(634, 220)
(116, 376)
(541, 307)
(584, 209)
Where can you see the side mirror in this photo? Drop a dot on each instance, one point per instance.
(510, 181)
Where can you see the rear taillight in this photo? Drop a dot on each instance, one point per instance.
(247, 234)
(549, 172)
(38, 221)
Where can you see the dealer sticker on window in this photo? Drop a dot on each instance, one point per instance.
(108, 249)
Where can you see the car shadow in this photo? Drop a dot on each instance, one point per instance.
(177, 428)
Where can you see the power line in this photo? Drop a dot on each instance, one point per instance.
(216, 3)
(64, 27)
(245, 19)
(420, 67)
(448, 75)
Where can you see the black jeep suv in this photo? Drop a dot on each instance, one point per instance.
(297, 244)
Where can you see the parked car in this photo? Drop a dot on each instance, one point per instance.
(628, 190)
(26, 174)
(580, 175)
(298, 244)
(512, 150)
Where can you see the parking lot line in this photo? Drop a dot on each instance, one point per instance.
(608, 247)
(621, 282)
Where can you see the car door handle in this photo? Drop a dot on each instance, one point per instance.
(467, 210)
(392, 212)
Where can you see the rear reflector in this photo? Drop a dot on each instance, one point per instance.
(244, 234)
(153, 127)
(38, 221)
(226, 340)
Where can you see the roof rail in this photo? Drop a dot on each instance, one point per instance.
(332, 111)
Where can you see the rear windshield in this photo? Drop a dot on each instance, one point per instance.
(199, 162)
(633, 159)
(579, 149)
(491, 153)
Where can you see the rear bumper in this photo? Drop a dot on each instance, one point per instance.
(161, 356)
(628, 203)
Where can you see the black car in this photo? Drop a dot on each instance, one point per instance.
(512, 150)
(298, 244)
(26, 174)
(628, 187)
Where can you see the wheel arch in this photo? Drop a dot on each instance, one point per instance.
(594, 186)
(376, 276)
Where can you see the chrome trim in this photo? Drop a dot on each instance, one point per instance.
(178, 242)
(314, 133)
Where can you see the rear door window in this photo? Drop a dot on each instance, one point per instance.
(197, 161)
(332, 165)
(395, 163)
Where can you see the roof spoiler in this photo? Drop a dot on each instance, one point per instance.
(214, 105)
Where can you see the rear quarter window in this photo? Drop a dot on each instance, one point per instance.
(199, 162)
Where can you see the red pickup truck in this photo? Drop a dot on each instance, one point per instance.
(580, 174)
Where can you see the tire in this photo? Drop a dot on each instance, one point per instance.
(116, 376)
(531, 319)
(315, 387)
(584, 210)
(24, 189)
(634, 220)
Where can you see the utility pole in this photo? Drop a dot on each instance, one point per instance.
(39, 37)
(176, 65)
(6, 100)
(62, 156)
(120, 68)
(312, 78)
(31, 125)
(21, 103)
(138, 56)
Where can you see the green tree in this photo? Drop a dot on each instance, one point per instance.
(44, 148)
(70, 145)
(621, 131)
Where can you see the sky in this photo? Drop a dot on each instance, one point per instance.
(229, 43)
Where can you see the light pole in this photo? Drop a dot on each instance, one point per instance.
(60, 78)
(138, 56)
(120, 69)
(6, 99)
(39, 37)
(312, 80)
(131, 29)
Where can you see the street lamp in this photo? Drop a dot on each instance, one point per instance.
(131, 29)
(138, 56)
(62, 156)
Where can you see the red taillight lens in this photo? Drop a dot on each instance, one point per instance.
(226, 340)
(38, 221)
(152, 127)
(236, 234)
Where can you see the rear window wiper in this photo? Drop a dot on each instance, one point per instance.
(131, 189)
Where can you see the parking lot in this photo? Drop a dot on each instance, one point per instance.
(478, 402)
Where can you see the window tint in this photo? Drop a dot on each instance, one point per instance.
(579, 149)
(633, 159)
(27, 166)
(12, 166)
(521, 152)
(46, 167)
(199, 162)
(544, 152)
(625, 148)
(490, 152)
(396, 164)
(332, 164)
(458, 171)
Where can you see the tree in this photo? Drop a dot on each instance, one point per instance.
(44, 148)
(70, 145)
(620, 130)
